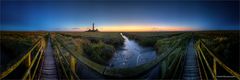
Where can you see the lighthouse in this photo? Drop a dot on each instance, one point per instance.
(93, 29)
(93, 26)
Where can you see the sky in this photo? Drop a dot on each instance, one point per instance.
(119, 15)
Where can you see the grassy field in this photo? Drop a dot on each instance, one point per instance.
(150, 38)
(98, 46)
(98, 51)
(111, 38)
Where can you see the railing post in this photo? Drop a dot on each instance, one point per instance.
(29, 64)
(73, 66)
(215, 68)
(163, 68)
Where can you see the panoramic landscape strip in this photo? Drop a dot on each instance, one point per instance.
(120, 39)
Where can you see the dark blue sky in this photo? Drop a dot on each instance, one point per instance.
(71, 14)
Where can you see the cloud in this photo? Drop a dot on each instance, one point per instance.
(75, 28)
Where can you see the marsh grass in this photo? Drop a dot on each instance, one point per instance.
(150, 38)
(111, 38)
(98, 52)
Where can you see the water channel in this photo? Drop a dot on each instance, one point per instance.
(131, 54)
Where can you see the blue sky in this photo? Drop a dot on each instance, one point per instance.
(70, 14)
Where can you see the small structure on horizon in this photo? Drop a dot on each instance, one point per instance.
(93, 29)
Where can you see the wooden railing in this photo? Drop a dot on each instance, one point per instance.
(67, 66)
(203, 51)
(39, 46)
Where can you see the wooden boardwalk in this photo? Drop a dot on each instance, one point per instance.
(49, 69)
(191, 67)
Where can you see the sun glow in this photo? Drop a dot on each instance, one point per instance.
(143, 28)
(136, 28)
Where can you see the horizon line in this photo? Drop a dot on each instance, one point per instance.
(107, 31)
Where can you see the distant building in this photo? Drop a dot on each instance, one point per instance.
(93, 29)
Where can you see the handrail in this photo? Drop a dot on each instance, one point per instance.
(175, 70)
(62, 66)
(206, 62)
(66, 61)
(200, 59)
(59, 60)
(221, 63)
(14, 66)
(35, 58)
(213, 72)
(38, 62)
(179, 63)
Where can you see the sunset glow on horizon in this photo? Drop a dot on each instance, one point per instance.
(136, 28)
(144, 28)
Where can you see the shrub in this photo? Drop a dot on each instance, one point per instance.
(99, 52)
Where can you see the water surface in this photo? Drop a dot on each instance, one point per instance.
(132, 54)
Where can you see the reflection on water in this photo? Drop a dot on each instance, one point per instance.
(131, 54)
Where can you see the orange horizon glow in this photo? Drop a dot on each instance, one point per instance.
(137, 28)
